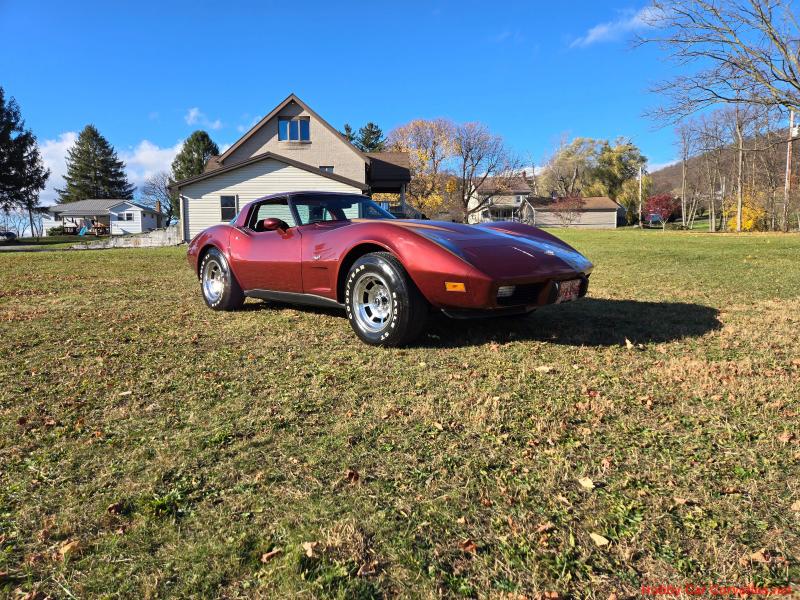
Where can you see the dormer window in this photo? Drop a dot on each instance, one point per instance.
(294, 129)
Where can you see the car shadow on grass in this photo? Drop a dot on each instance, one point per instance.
(587, 322)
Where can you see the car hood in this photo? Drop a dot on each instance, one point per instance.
(502, 253)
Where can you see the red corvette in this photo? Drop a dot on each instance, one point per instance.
(344, 250)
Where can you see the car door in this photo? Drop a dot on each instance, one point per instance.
(267, 260)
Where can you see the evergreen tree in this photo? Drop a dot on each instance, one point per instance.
(370, 138)
(93, 170)
(348, 133)
(22, 174)
(194, 155)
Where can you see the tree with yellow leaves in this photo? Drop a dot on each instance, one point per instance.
(429, 144)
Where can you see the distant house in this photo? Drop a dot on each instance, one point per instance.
(115, 216)
(291, 149)
(500, 199)
(511, 199)
(596, 212)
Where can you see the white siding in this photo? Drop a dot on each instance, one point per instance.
(122, 227)
(250, 182)
(595, 219)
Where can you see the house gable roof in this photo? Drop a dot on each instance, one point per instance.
(289, 99)
(504, 186)
(268, 155)
(94, 206)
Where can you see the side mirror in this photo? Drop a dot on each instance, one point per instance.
(273, 224)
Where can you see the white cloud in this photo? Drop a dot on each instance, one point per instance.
(192, 116)
(146, 159)
(141, 161)
(610, 31)
(197, 117)
(54, 154)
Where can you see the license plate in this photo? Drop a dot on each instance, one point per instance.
(568, 290)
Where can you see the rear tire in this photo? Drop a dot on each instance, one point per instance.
(218, 285)
(383, 305)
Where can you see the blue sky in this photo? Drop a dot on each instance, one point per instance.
(148, 73)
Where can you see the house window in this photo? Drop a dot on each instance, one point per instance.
(326, 168)
(125, 216)
(227, 206)
(297, 129)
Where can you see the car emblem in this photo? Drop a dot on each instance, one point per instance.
(316, 257)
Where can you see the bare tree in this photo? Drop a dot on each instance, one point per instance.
(686, 143)
(480, 156)
(156, 194)
(744, 51)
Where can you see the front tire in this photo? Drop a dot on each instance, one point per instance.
(219, 287)
(383, 305)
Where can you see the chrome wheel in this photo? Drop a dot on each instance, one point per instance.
(213, 281)
(372, 302)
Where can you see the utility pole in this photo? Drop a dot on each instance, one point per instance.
(787, 185)
(640, 196)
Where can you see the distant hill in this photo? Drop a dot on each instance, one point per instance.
(766, 167)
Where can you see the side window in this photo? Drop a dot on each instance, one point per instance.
(227, 206)
(273, 209)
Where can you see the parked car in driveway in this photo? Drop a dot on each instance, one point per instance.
(345, 251)
(7, 236)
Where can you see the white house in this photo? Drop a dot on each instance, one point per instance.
(291, 149)
(115, 216)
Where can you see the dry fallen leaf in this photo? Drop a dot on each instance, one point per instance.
(785, 437)
(796, 506)
(586, 483)
(551, 596)
(629, 344)
(69, 548)
(599, 539)
(115, 509)
(758, 556)
(125, 393)
(545, 527)
(268, 556)
(352, 476)
(469, 546)
(544, 369)
(309, 547)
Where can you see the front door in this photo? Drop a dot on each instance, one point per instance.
(267, 260)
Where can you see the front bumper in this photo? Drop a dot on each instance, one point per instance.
(526, 297)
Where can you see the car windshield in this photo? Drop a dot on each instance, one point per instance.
(317, 208)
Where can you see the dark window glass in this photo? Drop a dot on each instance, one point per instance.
(326, 168)
(227, 207)
(294, 130)
(314, 208)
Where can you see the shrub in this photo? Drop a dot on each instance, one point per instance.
(58, 230)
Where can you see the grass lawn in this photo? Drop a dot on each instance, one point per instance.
(150, 447)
